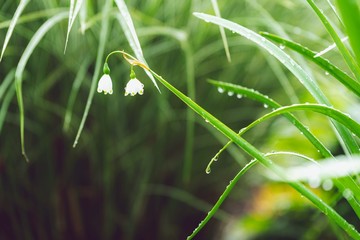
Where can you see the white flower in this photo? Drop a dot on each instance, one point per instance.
(133, 87)
(105, 84)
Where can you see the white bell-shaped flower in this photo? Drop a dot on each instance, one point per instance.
(105, 84)
(133, 87)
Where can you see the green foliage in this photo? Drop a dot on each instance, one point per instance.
(115, 167)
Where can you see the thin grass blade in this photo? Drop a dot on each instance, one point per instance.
(256, 154)
(350, 61)
(73, 12)
(5, 104)
(80, 76)
(13, 22)
(222, 31)
(98, 65)
(21, 66)
(130, 33)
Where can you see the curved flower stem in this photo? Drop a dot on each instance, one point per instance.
(130, 59)
(251, 150)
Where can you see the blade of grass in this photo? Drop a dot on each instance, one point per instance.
(33, 16)
(5, 105)
(21, 66)
(6, 82)
(73, 12)
(80, 76)
(350, 14)
(339, 75)
(222, 31)
(129, 30)
(345, 138)
(98, 65)
(333, 113)
(222, 198)
(350, 61)
(13, 22)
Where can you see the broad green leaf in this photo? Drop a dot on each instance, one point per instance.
(21, 66)
(13, 22)
(330, 68)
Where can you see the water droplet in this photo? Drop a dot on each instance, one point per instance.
(266, 106)
(215, 158)
(239, 95)
(327, 185)
(347, 194)
(208, 170)
(206, 120)
(282, 46)
(327, 73)
(230, 93)
(220, 90)
(314, 181)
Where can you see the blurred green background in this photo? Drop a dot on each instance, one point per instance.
(125, 178)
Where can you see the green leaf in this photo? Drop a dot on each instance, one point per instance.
(80, 76)
(339, 75)
(21, 66)
(350, 61)
(130, 33)
(350, 14)
(98, 66)
(73, 12)
(222, 198)
(13, 22)
(222, 31)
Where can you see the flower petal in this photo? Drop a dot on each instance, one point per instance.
(105, 84)
(133, 87)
